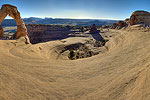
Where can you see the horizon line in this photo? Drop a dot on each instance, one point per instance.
(68, 18)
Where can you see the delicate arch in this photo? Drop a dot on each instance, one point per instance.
(13, 12)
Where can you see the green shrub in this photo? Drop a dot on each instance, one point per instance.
(72, 55)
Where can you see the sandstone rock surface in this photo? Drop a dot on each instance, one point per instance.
(13, 12)
(1, 31)
(140, 17)
(119, 25)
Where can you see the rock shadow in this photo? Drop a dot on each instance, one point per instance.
(97, 36)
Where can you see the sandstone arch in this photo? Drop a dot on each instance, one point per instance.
(13, 12)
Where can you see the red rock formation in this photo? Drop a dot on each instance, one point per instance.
(1, 31)
(12, 11)
(121, 24)
(94, 29)
(140, 17)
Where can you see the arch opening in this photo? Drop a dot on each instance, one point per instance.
(10, 28)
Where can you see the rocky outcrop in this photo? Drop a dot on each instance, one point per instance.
(42, 33)
(113, 26)
(140, 17)
(94, 29)
(119, 25)
(13, 12)
(127, 21)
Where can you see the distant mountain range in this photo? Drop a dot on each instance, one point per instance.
(59, 21)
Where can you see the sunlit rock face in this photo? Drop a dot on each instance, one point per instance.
(140, 17)
(13, 12)
(1, 31)
(42, 33)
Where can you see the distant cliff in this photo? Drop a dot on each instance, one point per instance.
(41, 33)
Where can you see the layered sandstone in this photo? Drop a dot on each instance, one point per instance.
(41, 33)
(13, 12)
(140, 17)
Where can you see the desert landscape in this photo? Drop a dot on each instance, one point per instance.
(58, 62)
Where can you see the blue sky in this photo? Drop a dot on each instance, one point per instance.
(88, 9)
